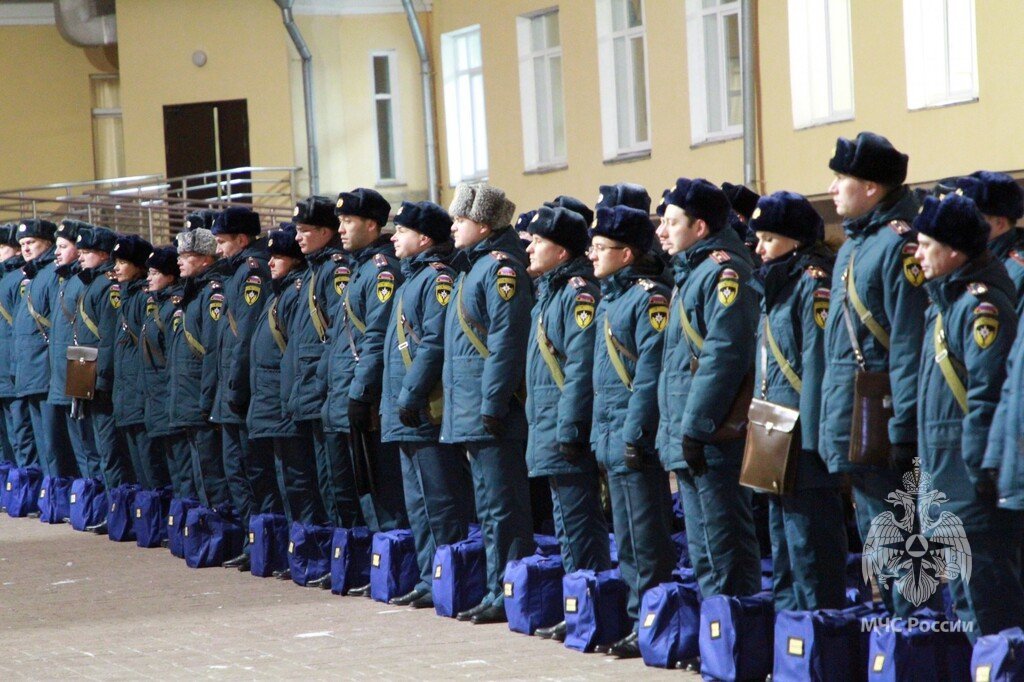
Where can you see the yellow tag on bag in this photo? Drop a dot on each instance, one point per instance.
(437, 572)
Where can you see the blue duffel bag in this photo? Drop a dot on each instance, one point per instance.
(211, 537)
(828, 645)
(736, 636)
(5, 469)
(23, 484)
(923, 652)
(670, 624)
(350, 558)
(177, 515)
(55, 499)
(268, 544)
(594, 608)
(393, 568)
(533, 592)
(120, 521)
(149, 520)
(309, 552)
(88, 503)
(460, 577)
(999, 657)
(547, 545)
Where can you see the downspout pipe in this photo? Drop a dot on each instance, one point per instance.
(427, 74)
(749, 97)
(307, 92)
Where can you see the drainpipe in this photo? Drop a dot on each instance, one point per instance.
(427, 74)
(749, 101)
(307, 92)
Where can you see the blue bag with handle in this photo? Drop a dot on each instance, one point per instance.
(268, 544)
(922, 652)
(828, 645)
(55, 499)
(149, 520)
(595, 608)
(460, 577)
(211, 537)
(177, 515)
(22, 488)
(547, 545)
(120, 527)
(999, 657)
(393, 567)
(309, 552)
(670, 624)
(87, 503)
(533, 592)
(5, 469)
(736, 635)
(350, 558)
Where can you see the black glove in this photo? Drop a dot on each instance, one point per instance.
(409, 418)
(493, 425)
(360, 415)
(987, 486)
(101, 400)
(901, 456)
(693, 455)
(573, 452)
(633, 458)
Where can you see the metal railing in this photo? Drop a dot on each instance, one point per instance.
(154, 206)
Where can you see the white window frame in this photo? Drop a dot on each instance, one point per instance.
(456, 129)
(396, 135)
(606, 71)
(924, 61)
(806, 64)
(697, 60)
(535, 155)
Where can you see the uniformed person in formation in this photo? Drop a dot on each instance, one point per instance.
(164, 292)
(559, 374)
(436, 477)
(1001, 202)
(969, 331)
(192, 361)
(355, 362)
(631, 319)
(250, 474)
(743, 201)
(709, 351)
(270, 380)
(484, 362)
(876, 322)
(807, 525)
(18, 441)
(130, 254)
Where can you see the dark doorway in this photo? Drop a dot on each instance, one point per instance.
(204, 137)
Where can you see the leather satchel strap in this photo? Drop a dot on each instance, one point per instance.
(614, 347)
(946, 364)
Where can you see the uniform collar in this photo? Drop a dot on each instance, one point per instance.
(556, 277)
(89, 275)
(279, 285)
(985, 269)
(439, 253)
(381, 244)
(33, 267)
(900, 205)
(1002, 245)
(13, 263)
(506, 241)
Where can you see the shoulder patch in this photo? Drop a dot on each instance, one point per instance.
(1017, 256)
(216, 307)
(506, 281)
(385, 285)
(822, 301)
(253, 289)
(380, 260)
(911, 267)
(114, 296)
(900, 227)
(341, 277)
(986, 325)
(499, 255)
(657, 312)
(584, 297)
(577, 282)
(337, 257)
(720, 256)
(977, 289)
(583, 309)
(646, 284)
(178, 316)
(443, 286)
(728, 287)
(815, 272)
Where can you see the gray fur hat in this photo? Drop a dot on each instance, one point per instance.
(484, 204)
(199, 240)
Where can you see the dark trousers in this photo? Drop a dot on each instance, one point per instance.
(335, 476)
(147, 459)
(261, 470)
(61, 456)
(6, 437)
(502, 491)
(234, 443)
(178, 457)
(115, 468)
(383, 500)
(643, 537)
(208, 466)
(83, 444)
(579, 521)
(19, 430)
(33, 408)
(808, 550)
(297, 479)
(439, 499)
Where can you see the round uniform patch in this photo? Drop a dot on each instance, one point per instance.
(728, 287)
(341, 277)
(179, 315)
(657, 312)
(822, 299)
(252, 290)
(385, 286)
(114, 294)
(151, 307)
(986, 325)
(583, 313)
(506, 283)
(911, 267)
(216, 306)
(443, 289)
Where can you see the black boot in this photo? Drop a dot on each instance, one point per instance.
(99, 528)
(555, 632)
(408, 597)
(323, 582)
(627, 647)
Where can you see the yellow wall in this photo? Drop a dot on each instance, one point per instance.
(45, 115)
(247, 49)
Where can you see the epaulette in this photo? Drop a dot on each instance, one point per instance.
(214, 284)
(977, 289)
(380, 260)
(437, 265)
(720, 257)
(499, 255)
(1017, 257)
(337, 257)
(253, 263)
(646, 284)
(814, 272)
(577, 282)
(900, 227)
(298, 284)
(176, 300)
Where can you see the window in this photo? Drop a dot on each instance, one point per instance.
(540, 89)
(383, 65)
(107, 135)
(942, 63)
(622, 60)
(464, 105)
(716, 82)
(820, 61)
